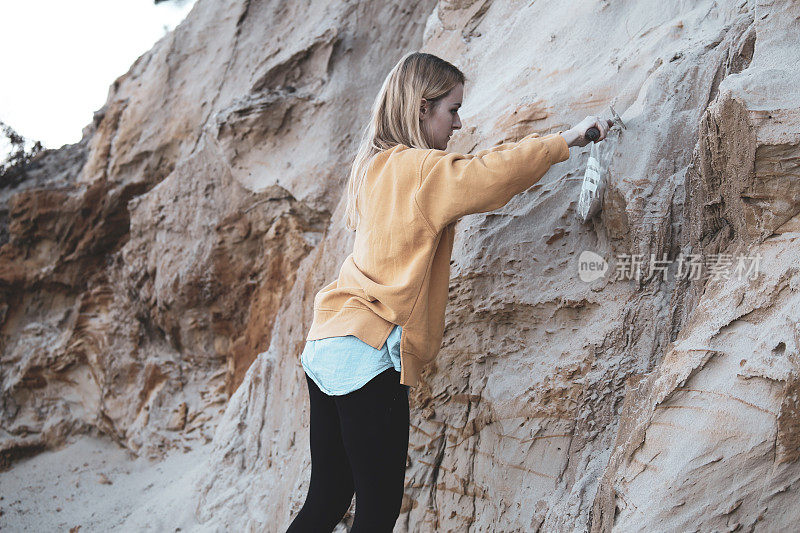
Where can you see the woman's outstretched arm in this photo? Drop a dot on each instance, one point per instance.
(452, 185)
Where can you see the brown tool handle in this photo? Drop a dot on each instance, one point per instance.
(593, 133)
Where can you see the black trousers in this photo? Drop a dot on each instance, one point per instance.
(359, 443)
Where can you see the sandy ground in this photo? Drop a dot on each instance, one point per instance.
(93, 485)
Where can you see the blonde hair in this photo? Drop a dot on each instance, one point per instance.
(395, 116)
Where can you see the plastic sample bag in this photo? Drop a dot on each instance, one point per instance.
(594, 179)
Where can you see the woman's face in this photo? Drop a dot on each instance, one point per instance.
(440, 120)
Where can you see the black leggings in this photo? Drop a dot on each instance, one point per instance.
(359, 443)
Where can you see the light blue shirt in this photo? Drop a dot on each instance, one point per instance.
(339, 365)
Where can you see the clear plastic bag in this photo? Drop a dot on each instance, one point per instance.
(594, 179)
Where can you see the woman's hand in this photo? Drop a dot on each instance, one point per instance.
(576, 136)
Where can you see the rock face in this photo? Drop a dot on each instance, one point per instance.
(158, 277)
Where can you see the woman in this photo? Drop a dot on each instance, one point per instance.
(382, 319)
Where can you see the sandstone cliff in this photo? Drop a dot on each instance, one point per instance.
(158, 277)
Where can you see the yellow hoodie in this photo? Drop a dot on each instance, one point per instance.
(399, 270)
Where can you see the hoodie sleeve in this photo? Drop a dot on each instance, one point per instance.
(452, 185)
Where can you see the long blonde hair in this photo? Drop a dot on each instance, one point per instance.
(395, 116)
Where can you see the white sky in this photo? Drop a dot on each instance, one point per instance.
(59, 57)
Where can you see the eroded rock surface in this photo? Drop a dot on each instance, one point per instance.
(158, 277)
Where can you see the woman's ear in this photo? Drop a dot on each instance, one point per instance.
(423, 108)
